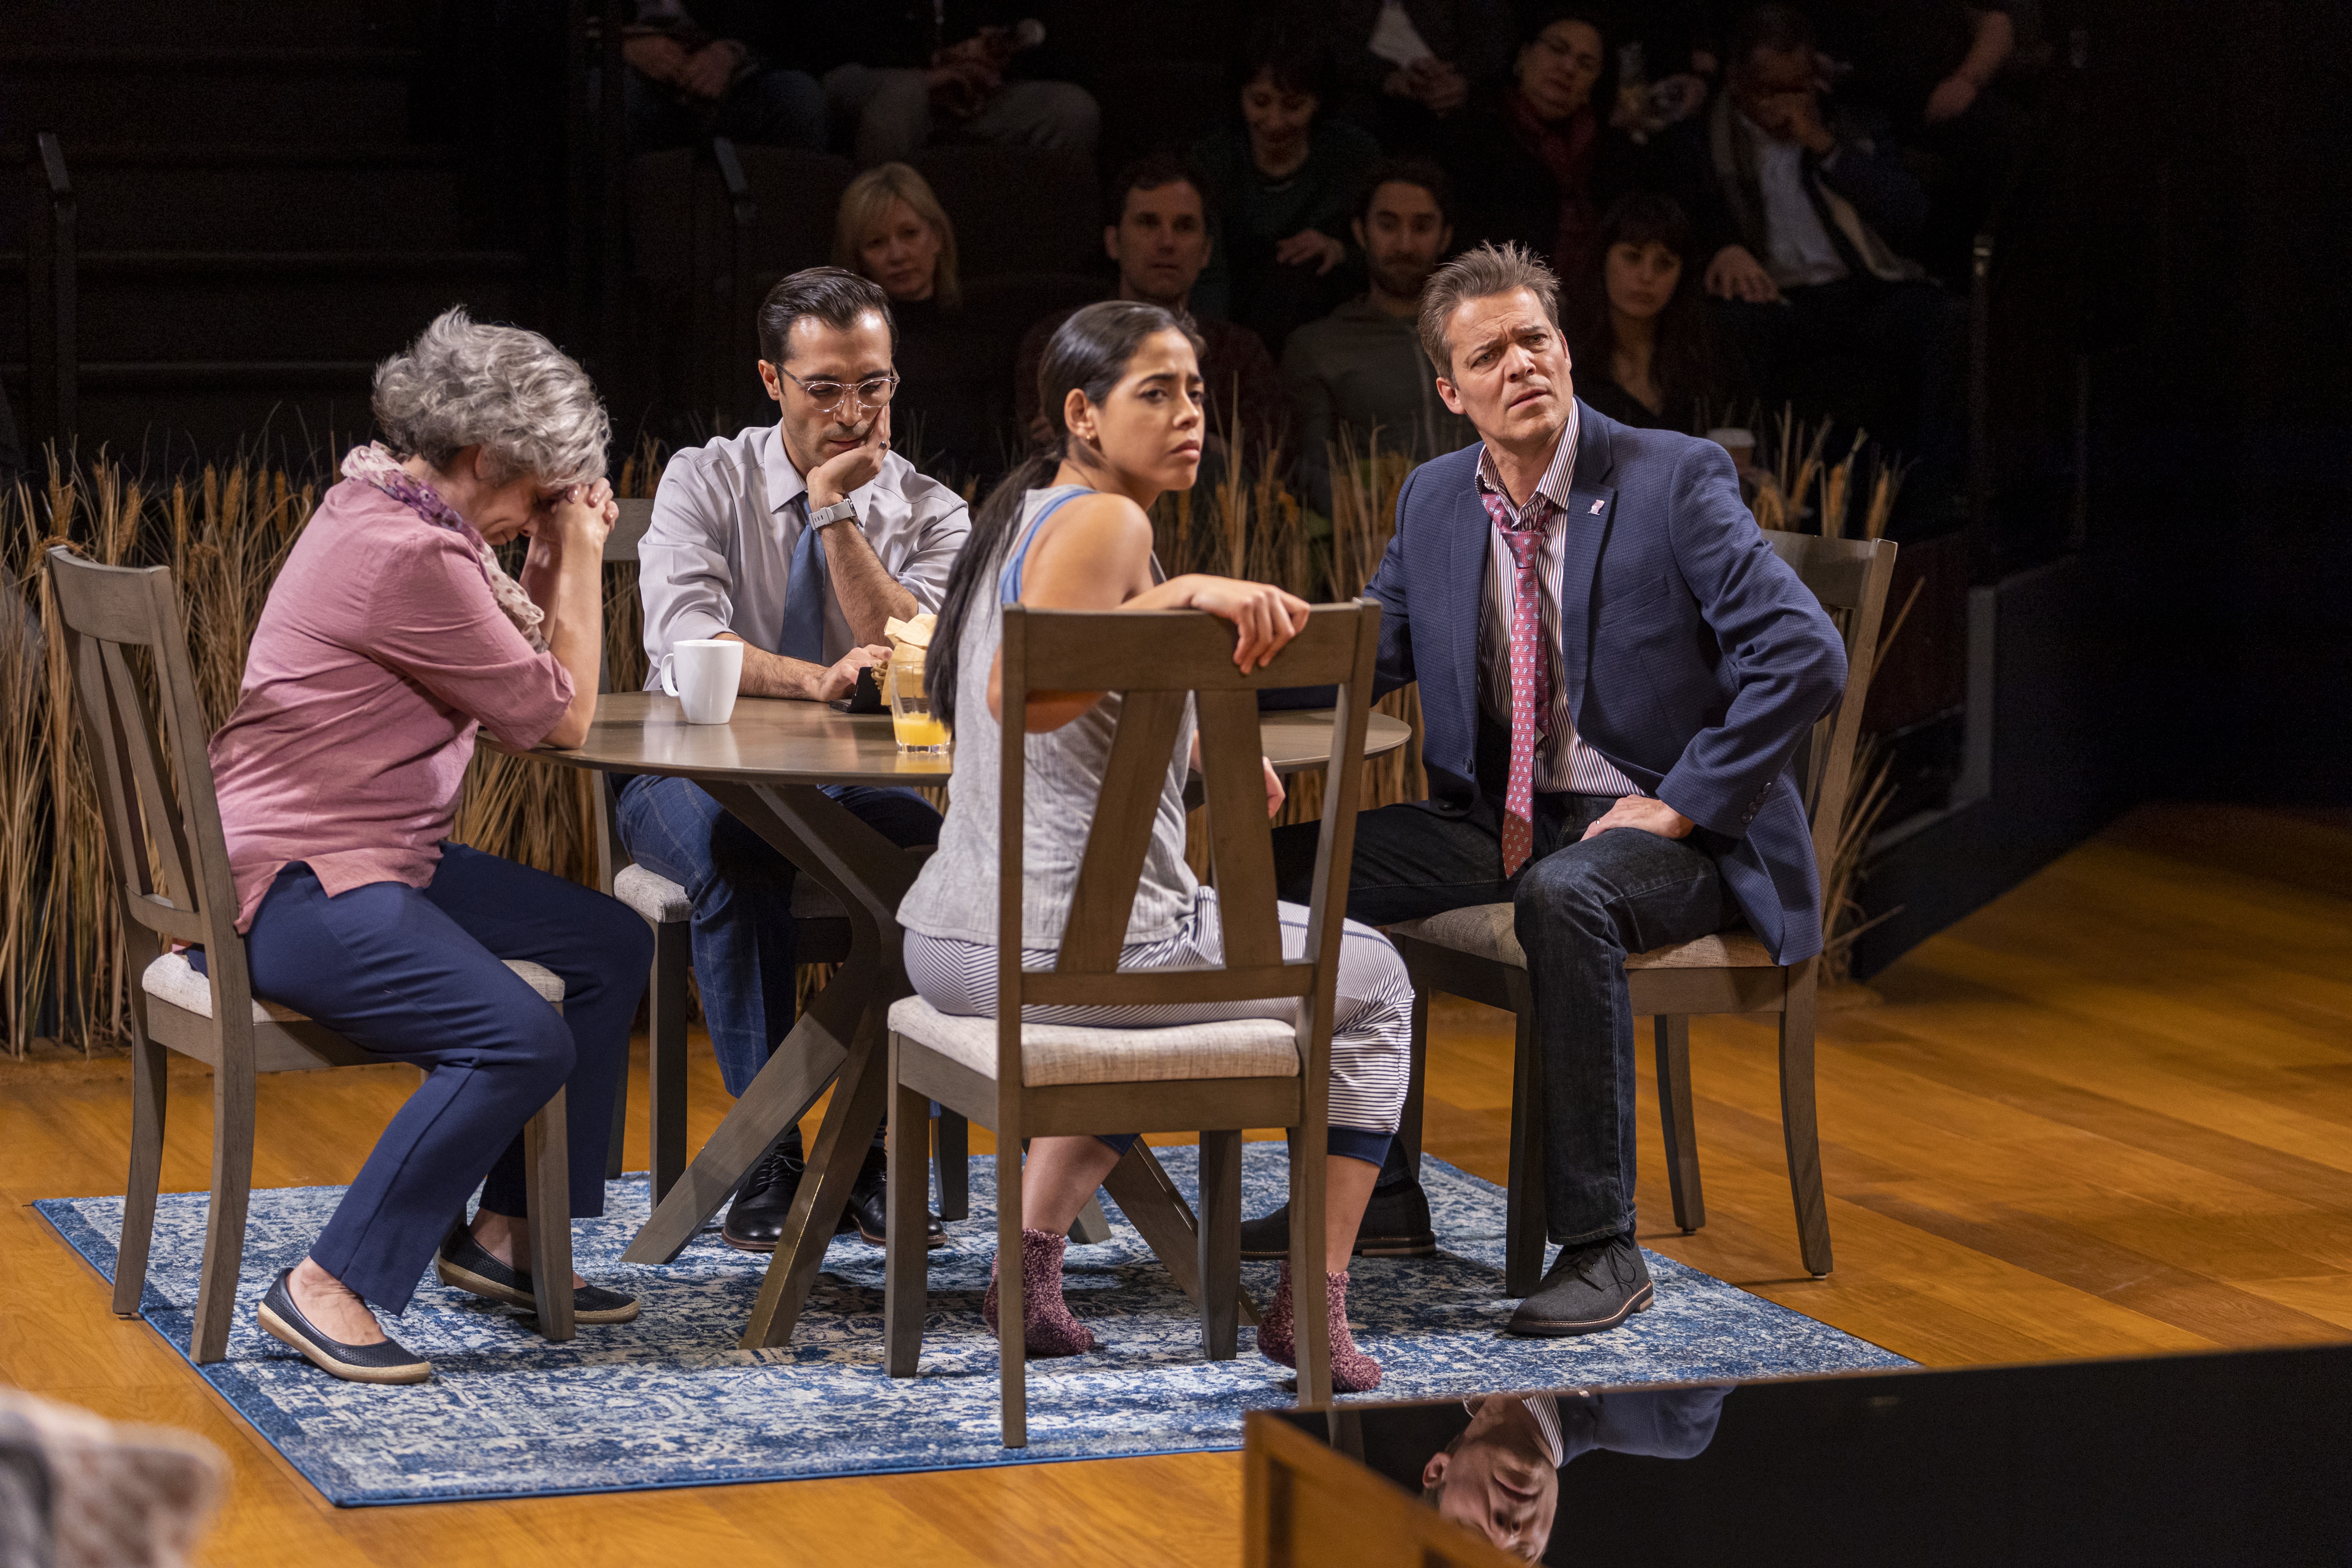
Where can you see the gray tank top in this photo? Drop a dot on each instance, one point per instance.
(955, 895)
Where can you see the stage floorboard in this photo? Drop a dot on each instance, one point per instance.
(2105, 1115)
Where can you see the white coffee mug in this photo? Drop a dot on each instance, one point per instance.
(702, 674)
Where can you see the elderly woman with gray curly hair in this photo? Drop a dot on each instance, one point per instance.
(391, 637)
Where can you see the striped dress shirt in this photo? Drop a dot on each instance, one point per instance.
(1564, 763)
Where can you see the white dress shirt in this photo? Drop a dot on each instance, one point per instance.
(1800, 250)
(1564, 763)
(727, 515)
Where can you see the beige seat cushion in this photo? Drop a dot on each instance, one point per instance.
(172, 978)
(664, 902)
(1065, 1053)
(1487, 932)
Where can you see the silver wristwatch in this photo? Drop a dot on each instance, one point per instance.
(840, 510)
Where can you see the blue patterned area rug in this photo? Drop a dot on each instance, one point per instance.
(669, 1401)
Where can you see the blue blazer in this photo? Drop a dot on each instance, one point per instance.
(1695, 660)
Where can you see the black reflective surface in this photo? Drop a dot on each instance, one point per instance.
(2234, 1457)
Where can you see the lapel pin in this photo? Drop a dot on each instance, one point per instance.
(1596, 506)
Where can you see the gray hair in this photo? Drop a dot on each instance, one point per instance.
(1481, 274)
(524, 401)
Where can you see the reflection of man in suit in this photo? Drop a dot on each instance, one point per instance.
(1616, 670)
(1499, 1473)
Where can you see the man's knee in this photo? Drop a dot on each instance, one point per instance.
(1564, 893)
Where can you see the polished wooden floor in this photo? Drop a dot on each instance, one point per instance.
(2110, 1114)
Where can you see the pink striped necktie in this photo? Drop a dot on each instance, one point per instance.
(1530, 675)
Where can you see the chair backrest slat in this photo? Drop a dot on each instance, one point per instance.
(1850, 577)
(1241, 840)
(1099, 906)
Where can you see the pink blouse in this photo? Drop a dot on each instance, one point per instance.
(380, 652)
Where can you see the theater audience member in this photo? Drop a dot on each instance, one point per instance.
(1361, 369)
(1283, 175)
(1069, 530)
(1638, 322)
(799, 540)
(390, 640)
(1407, 65)
(1539, 162)
(1815, 205)
(716, 70)
(921, 71)
(1160, 239)
(892, 229)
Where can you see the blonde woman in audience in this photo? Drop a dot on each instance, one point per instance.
(891, 228)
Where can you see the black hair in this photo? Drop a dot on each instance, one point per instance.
(1407, 171)
(1296, 55)
(1089, 353)
(1682, 357)
(1779, 28)
(833, 295)
(1603, 97)
(1151, 173)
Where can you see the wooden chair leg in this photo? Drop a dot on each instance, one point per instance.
(232, 1187)
(1524, 1229)
(547, 1185)
(665, 1059)
(1310, 1298)
(1798, 1126)
(1013, 1371)
(1220, 1242)
(1408, 1120)
(1160, 1216)
(904, 1266)
(149, 1083)
(1681, 1130)
(1092, 1227)
(953, 1140)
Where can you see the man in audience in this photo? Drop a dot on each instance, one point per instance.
(1615, 671)
(714, 70)
(1361, 369)
(1161, 240)
(942, 70)
(1407, 65)
(800, 540)
(1815, 211)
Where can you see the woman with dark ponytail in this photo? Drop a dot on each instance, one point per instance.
(1120, 382)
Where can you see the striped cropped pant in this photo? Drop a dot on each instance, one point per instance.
(1370, 1037)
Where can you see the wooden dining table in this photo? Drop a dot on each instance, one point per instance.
(768, 766)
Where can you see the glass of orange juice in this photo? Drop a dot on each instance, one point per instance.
(919, 731)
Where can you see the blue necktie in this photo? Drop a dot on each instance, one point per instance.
(805, 590)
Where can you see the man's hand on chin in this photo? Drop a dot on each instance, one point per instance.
(1649, 816)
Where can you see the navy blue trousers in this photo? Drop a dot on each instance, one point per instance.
(416, 975)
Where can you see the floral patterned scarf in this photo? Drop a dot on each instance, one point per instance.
(375, 464)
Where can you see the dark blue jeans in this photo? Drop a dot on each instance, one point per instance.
(741, 936)
(417, 974)
(1580, 907)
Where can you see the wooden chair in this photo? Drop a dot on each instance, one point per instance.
(170, 863)
(1038, 1080)
(821, 936)
(1475, 952)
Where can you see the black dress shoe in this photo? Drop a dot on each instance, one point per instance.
(465, 1264)
(1395, 1224)
(755, 1220)
(869, 1209)
(390, 1361)
(1590, 1289)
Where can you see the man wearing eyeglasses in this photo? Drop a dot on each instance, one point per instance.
(800, 540)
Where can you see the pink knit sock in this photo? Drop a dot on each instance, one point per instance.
(1352, 1372)
(1047, 1329)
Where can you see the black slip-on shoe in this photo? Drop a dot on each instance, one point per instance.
(390, 1361)
(868, 1211)
(1588, 1290)
(465, 1264)
(755, 1220)
(1395, 1224)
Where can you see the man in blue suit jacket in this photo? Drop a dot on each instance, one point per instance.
(1615, 670)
